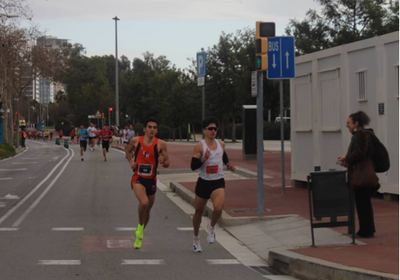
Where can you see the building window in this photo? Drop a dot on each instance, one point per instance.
(396, 72)
(361, 85)
(329, 88)
(303, 103)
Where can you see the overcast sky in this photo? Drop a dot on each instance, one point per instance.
(174, 28)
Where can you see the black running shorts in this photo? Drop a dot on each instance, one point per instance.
(149, 184)
(83, 144)
(204, 188)
(106, 145)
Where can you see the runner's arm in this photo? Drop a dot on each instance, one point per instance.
(164, 157)
(197, 159)
(225, 158)
(129, 150)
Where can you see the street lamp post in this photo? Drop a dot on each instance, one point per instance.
(116, 74)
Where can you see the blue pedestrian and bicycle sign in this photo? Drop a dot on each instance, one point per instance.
(281, 58)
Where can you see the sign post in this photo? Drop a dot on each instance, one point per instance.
(254, 84)
(201, 78)
(281, 65)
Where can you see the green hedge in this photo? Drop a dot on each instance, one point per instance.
(272, 131)
(6, 151)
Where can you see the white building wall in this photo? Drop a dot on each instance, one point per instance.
(326, 91)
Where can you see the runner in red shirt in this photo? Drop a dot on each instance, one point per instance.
(149, 152)
(72, 134)
(98, 135)
(106, 135)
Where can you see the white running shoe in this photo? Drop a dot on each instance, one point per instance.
(211, 234)
(196, 244)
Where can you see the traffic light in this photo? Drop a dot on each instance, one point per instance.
(264, 30)
(110, 109)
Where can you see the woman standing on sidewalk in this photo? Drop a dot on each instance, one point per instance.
(359, 153)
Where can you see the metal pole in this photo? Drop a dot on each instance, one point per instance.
(116, 74)
(17, 132)
(282, 136)
(260, 146)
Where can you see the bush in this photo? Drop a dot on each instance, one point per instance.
(138, 128)
(64, 125)
(272, 131)
(6, 151)
(164, 132)
(228, 132)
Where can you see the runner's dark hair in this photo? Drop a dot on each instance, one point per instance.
(209, 120)
(150, 120)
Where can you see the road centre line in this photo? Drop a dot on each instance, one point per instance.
(68, 229)
(17, 169)
(125, 228)
(59, 262)
(29, 210)
(143, 262)
(9, 229)
(186, 228)
(12, 210)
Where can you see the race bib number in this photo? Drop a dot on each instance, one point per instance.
(145, 169)
(211, 169)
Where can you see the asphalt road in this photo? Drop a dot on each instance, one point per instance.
(61, 218)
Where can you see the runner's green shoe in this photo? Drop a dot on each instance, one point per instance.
(139, 237)
(137, 244)
(139, 232)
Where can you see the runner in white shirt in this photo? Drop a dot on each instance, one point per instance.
(125, 137)
(208, 158)
(92, 136)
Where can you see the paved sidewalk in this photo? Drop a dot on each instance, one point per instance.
(283, 235)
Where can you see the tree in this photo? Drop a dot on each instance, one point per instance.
(343, 22)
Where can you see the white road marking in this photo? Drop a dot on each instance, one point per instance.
(223, 261)
(186, 228)
(9, 178)
(67, 229)
(17, 169)
(59, 262)
(10, 196)
(3, 204)
(143, 262)
(113, 244)
(125, 229)
(12, 210)
(32, 162)
(29, 210)
(9, 229)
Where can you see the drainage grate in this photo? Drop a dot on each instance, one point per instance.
(264, 270)
(247, 210)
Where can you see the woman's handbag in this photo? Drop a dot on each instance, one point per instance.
(363, 175)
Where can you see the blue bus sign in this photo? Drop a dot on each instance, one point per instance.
(281, 64)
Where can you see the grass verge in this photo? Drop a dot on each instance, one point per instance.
(6, 151)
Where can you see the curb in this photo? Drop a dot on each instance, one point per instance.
(225, 220)
(308, 268)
